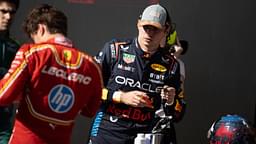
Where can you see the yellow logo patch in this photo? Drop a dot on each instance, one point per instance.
(158, 67)
(67, 55)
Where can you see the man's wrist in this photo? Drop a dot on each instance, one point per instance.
(117, 96)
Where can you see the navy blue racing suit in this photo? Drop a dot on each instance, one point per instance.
(126, 67)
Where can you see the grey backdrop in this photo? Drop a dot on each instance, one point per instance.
(220, 63)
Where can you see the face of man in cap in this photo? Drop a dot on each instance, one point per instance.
(152, 26)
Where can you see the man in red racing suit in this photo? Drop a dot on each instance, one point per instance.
(54, 82)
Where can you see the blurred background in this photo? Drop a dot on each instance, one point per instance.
(220, 62)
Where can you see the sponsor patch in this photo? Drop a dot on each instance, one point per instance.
(128, 58)
(125, 68)
(158, 67)
(61, 98)
(67, 55)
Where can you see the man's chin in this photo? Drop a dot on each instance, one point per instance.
(4, 28)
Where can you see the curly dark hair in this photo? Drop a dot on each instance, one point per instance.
(55, 20)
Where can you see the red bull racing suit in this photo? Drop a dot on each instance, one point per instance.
(53, 82)
(126, 67)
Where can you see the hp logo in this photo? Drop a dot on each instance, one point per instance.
(61, 98)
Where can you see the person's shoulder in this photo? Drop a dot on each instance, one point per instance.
(32, 47)
(12, 42)
(89, 59)
(26, 47)
(82, 54)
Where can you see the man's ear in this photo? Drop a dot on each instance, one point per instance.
(138, 23)
(167, 28)
(42, 29)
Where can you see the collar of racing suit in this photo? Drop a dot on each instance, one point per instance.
(60, 40)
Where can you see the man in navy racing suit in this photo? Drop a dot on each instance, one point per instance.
(134, 73)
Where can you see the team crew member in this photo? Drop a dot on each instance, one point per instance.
(8, 49)
(53, 81)
(176, 48)
(134, 73)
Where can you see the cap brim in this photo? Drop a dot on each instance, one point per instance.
(155, 24)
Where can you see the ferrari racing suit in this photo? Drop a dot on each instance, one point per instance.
(54, 82)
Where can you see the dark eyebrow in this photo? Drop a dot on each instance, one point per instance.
(4, 11)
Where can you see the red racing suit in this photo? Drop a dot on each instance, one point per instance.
(53, 82)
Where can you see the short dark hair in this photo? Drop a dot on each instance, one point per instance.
(15, 2)
(55, 20)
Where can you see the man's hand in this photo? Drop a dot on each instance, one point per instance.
(168, 94)
(136, 99)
